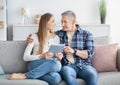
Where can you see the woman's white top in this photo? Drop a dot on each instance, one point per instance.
(31, 51)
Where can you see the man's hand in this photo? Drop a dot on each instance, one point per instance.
(59, 56)
(29, 39)
(68, 50)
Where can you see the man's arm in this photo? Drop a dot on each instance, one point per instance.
(83, 53)
(89, 48)
(87, 53)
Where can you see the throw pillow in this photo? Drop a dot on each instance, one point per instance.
(1, 70)
(104, 59)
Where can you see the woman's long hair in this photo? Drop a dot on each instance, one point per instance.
(42, 31)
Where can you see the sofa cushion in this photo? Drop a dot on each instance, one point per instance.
(1, 70)
(105, 58)
(4, 81)
(11, 56)
(109, 78)
(80, 82)
(118, 58)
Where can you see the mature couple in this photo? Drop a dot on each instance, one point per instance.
(75, 58)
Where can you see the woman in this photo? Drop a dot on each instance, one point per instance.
(40, 62)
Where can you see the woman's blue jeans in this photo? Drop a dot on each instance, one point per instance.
(70, 72)
(45, 69)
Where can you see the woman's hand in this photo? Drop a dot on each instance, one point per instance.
(59, 56)
(48, 55)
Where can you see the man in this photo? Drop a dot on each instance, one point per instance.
(78, 52)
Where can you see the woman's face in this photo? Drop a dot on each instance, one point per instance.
(51, 24)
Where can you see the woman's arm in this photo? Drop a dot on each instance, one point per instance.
(27, 54)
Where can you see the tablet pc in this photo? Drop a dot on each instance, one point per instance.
(56, 48)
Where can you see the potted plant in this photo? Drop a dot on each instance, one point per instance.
(102, 9)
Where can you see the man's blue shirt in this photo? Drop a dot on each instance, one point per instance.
(82, 40)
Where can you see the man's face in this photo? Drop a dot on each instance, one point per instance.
(67, 23)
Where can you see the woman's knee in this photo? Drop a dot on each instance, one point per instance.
(54, 65)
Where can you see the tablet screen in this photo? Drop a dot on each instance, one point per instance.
(56, 48)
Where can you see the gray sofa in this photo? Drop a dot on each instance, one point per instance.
(11, 60)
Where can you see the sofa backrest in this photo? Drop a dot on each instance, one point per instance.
(11, 56)
(102, 40)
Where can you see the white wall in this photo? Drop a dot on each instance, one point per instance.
(3, 34)
(86, 10)
(113, 18)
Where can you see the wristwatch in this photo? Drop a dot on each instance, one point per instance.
(75, 50)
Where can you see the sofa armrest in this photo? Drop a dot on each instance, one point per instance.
(118, 58)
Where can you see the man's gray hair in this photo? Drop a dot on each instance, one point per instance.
(69, 14)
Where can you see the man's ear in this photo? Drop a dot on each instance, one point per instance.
(74, 21)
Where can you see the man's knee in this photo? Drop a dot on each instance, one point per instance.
(55, 79)
(92, 73)
(68, 71)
